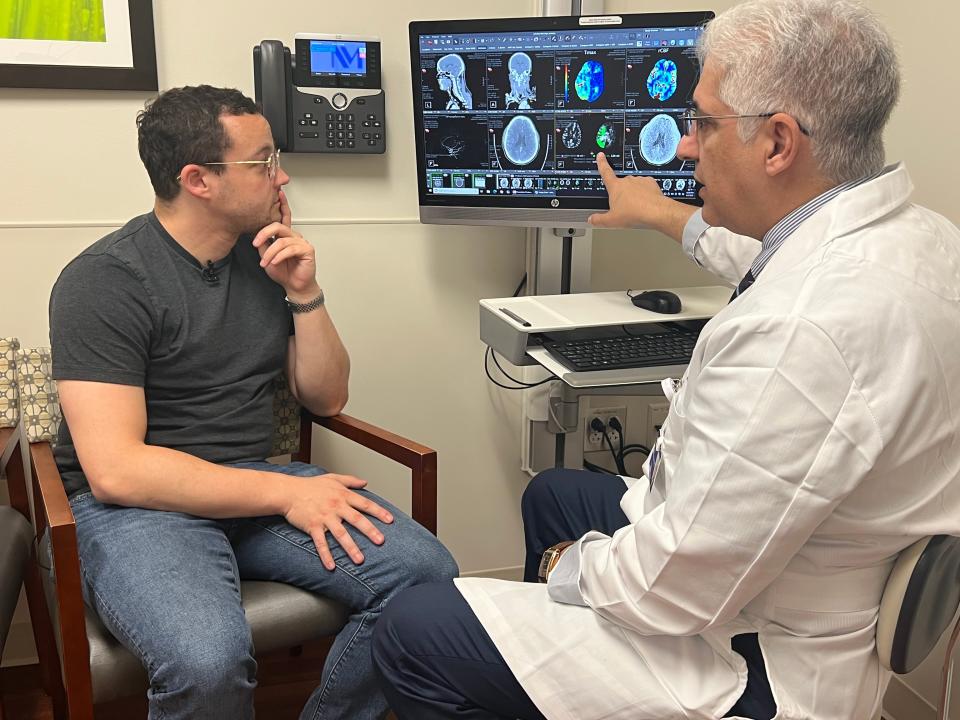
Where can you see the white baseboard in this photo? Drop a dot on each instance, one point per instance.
(504, 573)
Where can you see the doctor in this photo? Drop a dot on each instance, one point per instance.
(812, 438)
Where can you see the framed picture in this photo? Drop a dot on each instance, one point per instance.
(79, 44)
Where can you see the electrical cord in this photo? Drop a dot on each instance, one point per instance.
(520, 385)
(523, 282)
(587, 465)
(616, 458)
(615, 424)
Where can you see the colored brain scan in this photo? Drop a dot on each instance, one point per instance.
(662, 80)
(659, 139)
(521, 141)
(605, 135)
(572, 135)
(589, 82)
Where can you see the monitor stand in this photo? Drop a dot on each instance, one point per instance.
(566, 257)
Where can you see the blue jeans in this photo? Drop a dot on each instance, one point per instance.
(166, 584)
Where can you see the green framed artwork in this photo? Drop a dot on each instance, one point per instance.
(79, 44)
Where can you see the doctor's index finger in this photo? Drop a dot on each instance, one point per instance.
(606, 172)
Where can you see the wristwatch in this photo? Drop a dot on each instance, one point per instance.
(296, 307)
(550, 558)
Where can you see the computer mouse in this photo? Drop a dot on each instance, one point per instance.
(658, 301)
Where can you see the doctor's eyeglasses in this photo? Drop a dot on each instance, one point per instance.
(272, 163)
(690, 121)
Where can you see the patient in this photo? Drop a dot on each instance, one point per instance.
(168, 337)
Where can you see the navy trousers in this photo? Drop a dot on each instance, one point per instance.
(435, 659)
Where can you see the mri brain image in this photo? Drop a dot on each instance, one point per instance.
(520, 66)
(662, 80)
(521, 141)
(451, 77)
(606, 135)
(572, 135)
(589, 82)
(659, 139)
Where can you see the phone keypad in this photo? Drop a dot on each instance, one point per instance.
(358, 125)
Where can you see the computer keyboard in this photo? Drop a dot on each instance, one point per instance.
(647, 347)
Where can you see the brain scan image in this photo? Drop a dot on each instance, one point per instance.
(572, 135)
(659, 139)
(520, 66)
(454, 145)
(451, 77)
(606, 134)
(662, 80)
(589, 82)
(521, 140)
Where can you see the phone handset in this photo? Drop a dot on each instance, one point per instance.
(272, 81)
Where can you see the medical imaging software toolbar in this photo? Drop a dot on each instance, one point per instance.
(526, 113)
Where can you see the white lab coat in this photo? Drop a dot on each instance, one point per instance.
(814, 436)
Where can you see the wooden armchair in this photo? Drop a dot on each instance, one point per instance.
(15, 531)
(82, 664)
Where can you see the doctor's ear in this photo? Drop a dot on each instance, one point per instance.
(194, 179)
(785, 138)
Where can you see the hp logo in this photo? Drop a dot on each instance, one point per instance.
(554, 203)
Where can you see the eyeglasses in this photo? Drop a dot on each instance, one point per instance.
(690, 120)
(272, 163)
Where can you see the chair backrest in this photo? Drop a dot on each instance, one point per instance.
(921, 598)
(9, 390)
(286, 419)
(41, 404)
(38, 395)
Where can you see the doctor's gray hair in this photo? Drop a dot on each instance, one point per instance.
(829, 64)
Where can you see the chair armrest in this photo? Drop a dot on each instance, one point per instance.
(421, 460)
(53, 513)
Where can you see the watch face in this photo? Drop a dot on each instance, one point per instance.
(545, 564)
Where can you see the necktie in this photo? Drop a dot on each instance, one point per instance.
(746, 282)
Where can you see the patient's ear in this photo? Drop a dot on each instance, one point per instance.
(195, 179)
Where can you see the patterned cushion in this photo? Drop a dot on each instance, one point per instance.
(41, 404)
(286, 419)
(9, 391)
(38, 395)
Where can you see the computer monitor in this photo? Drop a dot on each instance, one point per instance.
(509, 114)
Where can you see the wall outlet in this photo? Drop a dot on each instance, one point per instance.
(656, 417)
(593, 439)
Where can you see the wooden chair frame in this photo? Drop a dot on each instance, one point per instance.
(71, 690)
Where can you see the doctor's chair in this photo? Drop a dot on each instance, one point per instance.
(82, 664)
(920, 600)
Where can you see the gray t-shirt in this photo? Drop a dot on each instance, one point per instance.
(136, 309)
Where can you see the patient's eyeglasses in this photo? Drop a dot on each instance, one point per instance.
(272, 163)
(690, 121)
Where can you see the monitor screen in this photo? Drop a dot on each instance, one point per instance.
(510, 114)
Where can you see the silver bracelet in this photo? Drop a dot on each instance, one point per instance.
(296, 307)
